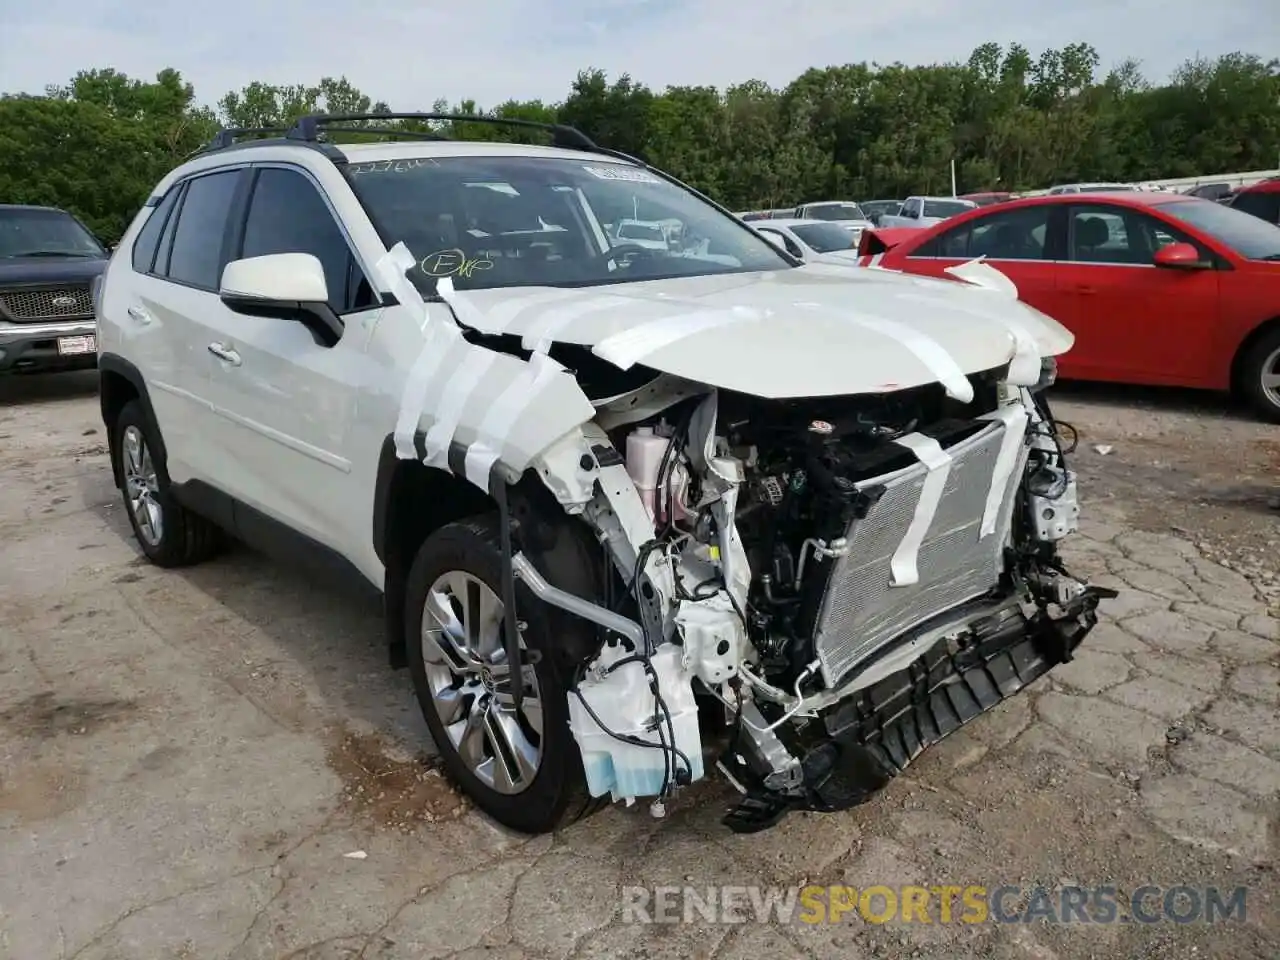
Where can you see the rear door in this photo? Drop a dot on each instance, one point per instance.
(1134, 322)
(1024, 243)
(170, 298)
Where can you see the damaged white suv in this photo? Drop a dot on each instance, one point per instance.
(633, 512)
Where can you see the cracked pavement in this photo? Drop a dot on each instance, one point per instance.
(187, 760)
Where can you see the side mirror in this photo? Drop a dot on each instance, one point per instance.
(1180, 256)
(286, 285)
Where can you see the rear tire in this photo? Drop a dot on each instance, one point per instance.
(464, 692)
(169, 534)
(1260, 376)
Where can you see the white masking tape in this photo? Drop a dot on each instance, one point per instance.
(903, 566)
(979, 273)
(628, 347)
(536, 376)
(393, 269)
(462, 383)
(466, 311)
(928, 351)
(504, 314)
(542, 331)
(1024, 365)
(440, 337)
(1014, 418)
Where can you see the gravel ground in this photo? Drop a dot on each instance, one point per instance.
(187, 759)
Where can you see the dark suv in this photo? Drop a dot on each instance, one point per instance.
(49, 263)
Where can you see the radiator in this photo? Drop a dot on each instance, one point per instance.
(861, 611)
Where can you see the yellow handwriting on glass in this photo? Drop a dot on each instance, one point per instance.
(451, 263)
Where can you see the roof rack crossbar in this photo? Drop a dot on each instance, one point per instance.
(227, 136)
(308, 128)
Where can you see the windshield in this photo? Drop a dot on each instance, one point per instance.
(1248, 236)
(835, 211)
(945, 208)
(541, 222)
(40, 233)
(824, 237)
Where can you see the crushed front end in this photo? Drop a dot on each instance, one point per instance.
(838, 583)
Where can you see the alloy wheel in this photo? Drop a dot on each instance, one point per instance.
(471, 685)
(142, 487)
(1270, 374)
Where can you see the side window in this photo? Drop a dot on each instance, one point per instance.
(196, 257)
(144, 247)
(911, 208)
(1263, 205)
(1119, 236)
(288, 215)
(163, 251)
(787, 242)
(1012, 235)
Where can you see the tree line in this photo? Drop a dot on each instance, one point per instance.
(1009, 120)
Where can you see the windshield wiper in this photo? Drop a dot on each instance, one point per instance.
(49, 253)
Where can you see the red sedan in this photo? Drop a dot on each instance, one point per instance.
(1158, 288)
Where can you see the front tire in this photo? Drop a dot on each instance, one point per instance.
(522, 768)
(168, 533)
(1260, 376)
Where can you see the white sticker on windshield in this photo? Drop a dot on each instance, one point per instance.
(622, 172)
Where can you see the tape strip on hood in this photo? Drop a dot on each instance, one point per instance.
(903, 566)
(1026, 363)
(1014, 417)
(928, 351)
(629, 347)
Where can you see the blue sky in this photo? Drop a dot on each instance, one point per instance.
(409, 52)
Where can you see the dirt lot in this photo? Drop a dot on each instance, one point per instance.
(188, 760)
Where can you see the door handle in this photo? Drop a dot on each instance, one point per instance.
(225, 353)
(139, 315)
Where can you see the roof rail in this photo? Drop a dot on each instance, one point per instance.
(309, 128)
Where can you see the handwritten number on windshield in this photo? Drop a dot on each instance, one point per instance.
(451, 263)
(391, 166)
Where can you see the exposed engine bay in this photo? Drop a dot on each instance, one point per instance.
(810, 592)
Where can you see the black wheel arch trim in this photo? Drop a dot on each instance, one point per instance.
(560, 546)
(111, 364)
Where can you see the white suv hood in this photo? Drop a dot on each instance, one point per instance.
(816, 330)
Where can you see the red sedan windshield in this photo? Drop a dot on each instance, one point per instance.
(1248, 236)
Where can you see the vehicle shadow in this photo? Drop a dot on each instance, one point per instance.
(321, 652)
(1169, 399)
(23, 388)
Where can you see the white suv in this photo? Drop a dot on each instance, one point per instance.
(622, 504)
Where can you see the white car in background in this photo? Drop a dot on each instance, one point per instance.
(926, 211)
(820, 241)
(643, 233)
(1091, 188)
(843, 213)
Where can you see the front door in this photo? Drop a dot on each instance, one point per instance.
(284, 403)
(1134, 322)
(1023, 243)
